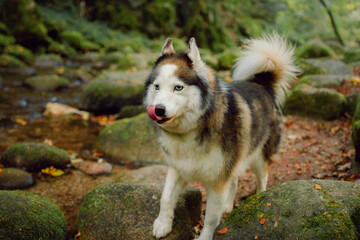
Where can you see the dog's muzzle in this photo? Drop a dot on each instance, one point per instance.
(157, 113)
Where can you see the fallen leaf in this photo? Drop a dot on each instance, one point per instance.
(228, 79)
(1, 170)
(268, 204)
(317, 187)
(334, 129)
(355, 79)
(276, 223)
(77, 236)
(197, 230)
(256, 236)
(222, 231)
(51, 171)
(60, 71)
(325, 213)
(21, 121)
(262, 220)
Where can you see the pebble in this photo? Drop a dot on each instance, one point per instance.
(14, 178)
(93, 168)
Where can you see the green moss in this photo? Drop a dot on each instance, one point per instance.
(317, 103)
(28, 216)
(24, 22)
(20, 52)
(34, 156)
(10, 61)
(6, 40)
(47, 82)
(308, 69)
(62, 49)
(314, 49)
(247, 212)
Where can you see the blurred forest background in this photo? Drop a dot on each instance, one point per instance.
(69, 26)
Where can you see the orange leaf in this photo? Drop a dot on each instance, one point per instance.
(262, 220)
(1, 170)
(222, 231)
(317, 187)
(77, 236)
(256, 237)
(268, 204)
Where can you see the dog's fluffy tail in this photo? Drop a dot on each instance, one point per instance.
(270, 54)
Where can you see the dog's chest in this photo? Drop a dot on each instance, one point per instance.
(193, 161)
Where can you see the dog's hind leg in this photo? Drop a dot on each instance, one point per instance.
(259, 167)
(229, 205)
(174, 185)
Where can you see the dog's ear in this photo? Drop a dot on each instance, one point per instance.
(168, 48)
(194, 55)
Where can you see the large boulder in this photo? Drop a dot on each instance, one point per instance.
(322, 80)
(112, 90)
(14, 178)
(32, 156)
(332, 66)
(49, 82)
(121, 211)
(313, 102)
(130, 139)
(304, 209)
(25, 215)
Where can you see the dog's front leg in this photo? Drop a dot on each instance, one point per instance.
(174, 185)
(214, 209)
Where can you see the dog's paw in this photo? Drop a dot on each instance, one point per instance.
(228, 207)
(161, 228)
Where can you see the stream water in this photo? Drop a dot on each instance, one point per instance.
(22, 119)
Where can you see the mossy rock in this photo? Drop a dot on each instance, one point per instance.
(6, 40)
(298, 210)
(121, 211)
(308, 101)
(112, 90)
(62, 49)
(314, 49)
(24, 22)
(308, 68)
(32, 156)
(352, 55)
(130, 139)
(322, 80)
(14, 178)
(48, 61)
(351, 103)
(25, 215)
(77, 40)
(130, 111)
(9, 61)
(332, 66)
(355, 131)
(20, 52)
(121, 60)
(50, 82)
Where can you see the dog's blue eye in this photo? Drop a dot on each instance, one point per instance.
(157, 87)
(178, 88)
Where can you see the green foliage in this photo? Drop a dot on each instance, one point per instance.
(24, 22)
(20, 52)
(10, 61)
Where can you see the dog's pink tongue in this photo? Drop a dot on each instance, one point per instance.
(152, 115)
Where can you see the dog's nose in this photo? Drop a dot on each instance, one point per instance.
(160, 110)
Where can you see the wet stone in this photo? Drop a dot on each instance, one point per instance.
(14, 178)
(94, 168)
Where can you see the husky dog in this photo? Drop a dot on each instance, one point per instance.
(211, 131)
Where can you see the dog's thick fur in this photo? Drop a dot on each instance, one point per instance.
(211, 131)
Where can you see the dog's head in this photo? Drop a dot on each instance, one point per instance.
(177, 89)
